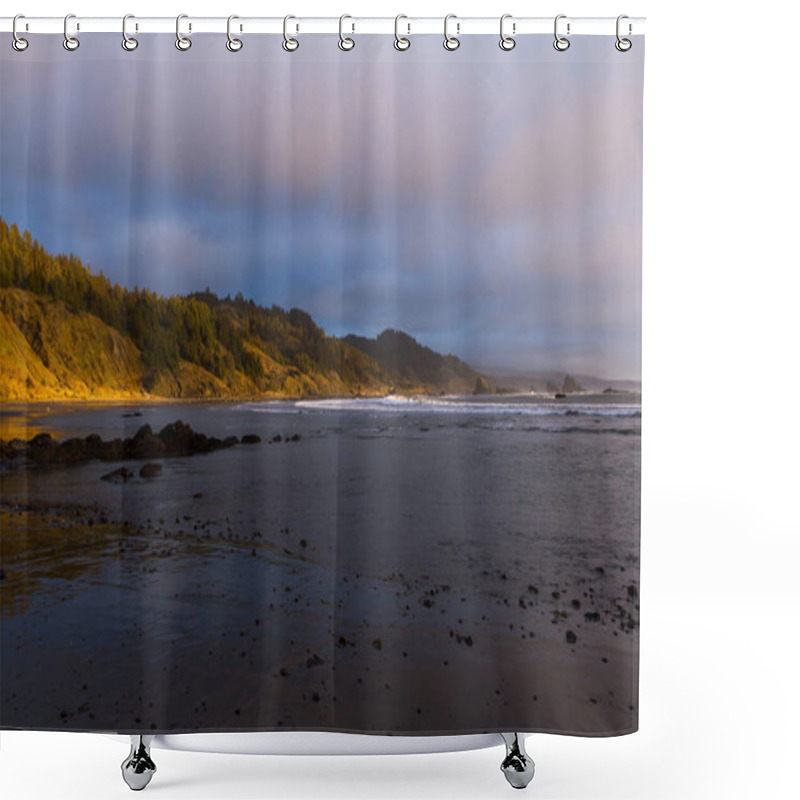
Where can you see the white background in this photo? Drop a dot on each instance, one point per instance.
(720, 693)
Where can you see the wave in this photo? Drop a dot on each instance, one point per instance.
(455, 405)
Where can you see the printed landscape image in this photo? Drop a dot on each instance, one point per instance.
(297, 435)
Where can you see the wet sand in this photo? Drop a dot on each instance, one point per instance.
(150, 629)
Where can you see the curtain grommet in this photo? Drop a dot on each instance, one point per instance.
(183, 43)
(346, 43)
(233, 44)
(401, 43)
(289, 44)
(17, 42)
(507, 42)
(451, 43)
(71, 43)
(561, 43)
(129, 43)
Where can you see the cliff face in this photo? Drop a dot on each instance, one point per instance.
(68, 333)
(48, 352)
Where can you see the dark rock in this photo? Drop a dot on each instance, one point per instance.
(12, 449)
(592, 616)
(251, 438)
(560, 395)
(176, 437)
(2, 574)
(230, 441)
(377, 644)
(633, 591)
(132, 414)
(118, 475)
(42, 448)
(71, 451)
(576, 604)
(145, 444)
(277, 438)
(294, 438)
(150, 470)
(94, 446)
(314, 661)
(197, 495)
(571, 637)
(111, 450)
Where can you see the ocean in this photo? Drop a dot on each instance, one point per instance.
(365, 563)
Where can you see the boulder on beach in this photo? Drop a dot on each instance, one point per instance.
(118, 475)
(41, 447)
(176, 437)
(251, 438)
(150, 470)
(144, 444)
(111, 450)
(230, 441)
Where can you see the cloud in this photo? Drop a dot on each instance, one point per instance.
(488, 203)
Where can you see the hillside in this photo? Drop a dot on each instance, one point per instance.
(416, 366)
(68, 333)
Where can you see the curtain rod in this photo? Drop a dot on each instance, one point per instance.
(408, 25)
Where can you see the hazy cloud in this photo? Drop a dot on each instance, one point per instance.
(489, 203)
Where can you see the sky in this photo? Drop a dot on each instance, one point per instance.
(487, 203)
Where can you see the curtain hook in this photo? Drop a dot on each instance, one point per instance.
(181, 42)
(70, 42)
(451, 42)
(18, 43)
(233, 44)
(345, 42)
(289, 44)
(401, 42)
(623, 45)
(561, 43)
(129, 43)
(507, 42)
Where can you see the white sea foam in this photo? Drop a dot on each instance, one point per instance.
(458, 405)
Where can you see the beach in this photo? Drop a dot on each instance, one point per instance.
(385, 565)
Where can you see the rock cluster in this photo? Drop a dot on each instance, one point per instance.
(175, 439)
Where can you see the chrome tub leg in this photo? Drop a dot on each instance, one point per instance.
(517, 766)
(138, 768)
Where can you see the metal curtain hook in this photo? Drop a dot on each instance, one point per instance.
(451, 42)
(561, 43)
(289, 44)
(507, 42)
(345, 42)
(233, 44)
(401, 42)
(129, 43)
(623, 45)
(70, 42)
(181, 42)
(18, 43)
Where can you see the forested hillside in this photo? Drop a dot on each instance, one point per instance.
(68, 332)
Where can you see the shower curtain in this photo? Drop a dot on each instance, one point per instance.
(321, 385)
